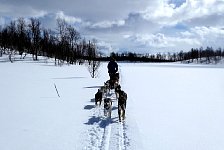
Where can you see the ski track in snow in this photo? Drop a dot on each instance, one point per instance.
(107, 133)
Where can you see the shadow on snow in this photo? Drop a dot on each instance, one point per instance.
(70, 78)
(101, 121)
(92, 87)
(88, 107)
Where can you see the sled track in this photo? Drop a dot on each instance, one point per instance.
(106, 133)
(123, 143)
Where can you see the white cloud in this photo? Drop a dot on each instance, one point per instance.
(126, 36)
(167, 14)
(204, 31)
(161, 41)
(194, 38)
(151, 40)
(186, 34)
(89, 24)
(208, 36)
(108, 24)
(105, 48)
(38, 13)
(161, 11)
(69, 19)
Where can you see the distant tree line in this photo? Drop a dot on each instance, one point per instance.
(29, 37)
(208, 55)
(201, 55)
(135, 57)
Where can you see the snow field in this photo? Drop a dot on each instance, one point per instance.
(169, 107)
(176, 106)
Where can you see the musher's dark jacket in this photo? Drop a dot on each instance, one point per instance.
(112, 67)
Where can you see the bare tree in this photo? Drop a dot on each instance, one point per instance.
(62, 28)
(63, 43)
(93, 63)
(73, 37)
(35, 36)
(12, 39)
(93, 67)
(91, 52)
(21, 33)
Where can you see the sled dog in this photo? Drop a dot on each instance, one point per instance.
(117, 89)
(98, 97)
(107, 107)
(107, 86)
(122, 99)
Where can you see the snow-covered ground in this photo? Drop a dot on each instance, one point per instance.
(170, 107)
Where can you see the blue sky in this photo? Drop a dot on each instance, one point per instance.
(177, 3)
(147, 26)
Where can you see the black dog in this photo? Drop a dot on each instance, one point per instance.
(122, 99)
(98, 97)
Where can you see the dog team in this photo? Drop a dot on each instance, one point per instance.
(103, 94)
